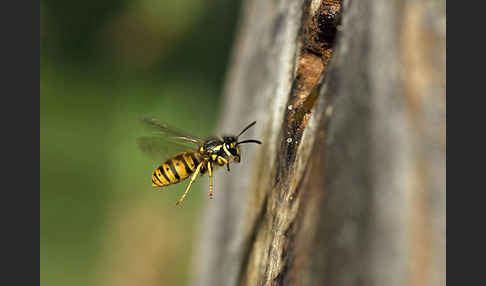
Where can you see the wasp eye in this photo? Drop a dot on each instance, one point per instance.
(233, 151)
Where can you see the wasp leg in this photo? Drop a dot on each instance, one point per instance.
(227, 166)
(190, 183)
(210, 173)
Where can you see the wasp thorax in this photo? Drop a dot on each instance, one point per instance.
(212, 145)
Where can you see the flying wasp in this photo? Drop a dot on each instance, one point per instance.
(196, 156)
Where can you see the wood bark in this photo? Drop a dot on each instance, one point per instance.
(348, 187)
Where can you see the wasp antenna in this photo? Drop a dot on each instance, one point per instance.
(249, 141)
(246, 128)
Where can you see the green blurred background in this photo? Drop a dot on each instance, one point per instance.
(103, 65)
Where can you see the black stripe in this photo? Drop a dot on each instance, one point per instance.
(163, 174)
(173, 169)
(196, 162)
(188, 170)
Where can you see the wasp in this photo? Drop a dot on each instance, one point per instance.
(196, 156)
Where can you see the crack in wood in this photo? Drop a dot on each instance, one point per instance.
(319, 33)
(270, 244)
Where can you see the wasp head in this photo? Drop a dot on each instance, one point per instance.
(231, 148)
(231, 144)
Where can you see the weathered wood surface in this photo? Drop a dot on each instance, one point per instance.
(349, 185)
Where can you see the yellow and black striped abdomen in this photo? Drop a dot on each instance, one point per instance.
(176, 169)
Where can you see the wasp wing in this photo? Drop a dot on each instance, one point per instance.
(161, 148)
(173, 133)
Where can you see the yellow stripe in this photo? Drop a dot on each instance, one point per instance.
(189, 161)
(155, 183)
(180, 168)
(169, 174)
(161, 177)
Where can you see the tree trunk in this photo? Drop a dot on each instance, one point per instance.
(348, 187)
